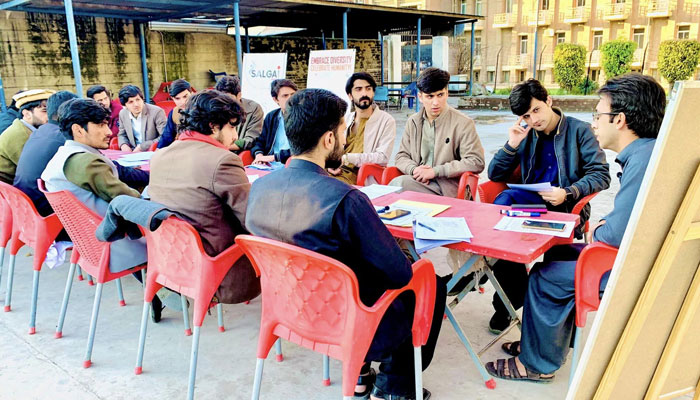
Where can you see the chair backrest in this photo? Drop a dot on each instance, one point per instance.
(5, 222)
(246, 157)
(411, 89)
(166, 105)
(381, 93)
(592, 263)
(25, 217)
(310, 294)
(114, 143)
(162, 93)
(81, 223)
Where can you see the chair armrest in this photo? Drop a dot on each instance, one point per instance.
(594, 261)
(467, 180)
(229, 256)
(246, 157)
(369, 169)
(154, 146)
(389, 174)
(581, 203)
(423, 284)
(489, 190)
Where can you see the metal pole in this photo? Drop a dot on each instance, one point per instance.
(537, 28)
(323, 39)
(247, 41)
(418, 34)
(345, 28)
(381, 59)
(471, 62)
(144, 67)
(588, 73)
(73, 41)
(239, 50)
(495, 74)
(2, 97)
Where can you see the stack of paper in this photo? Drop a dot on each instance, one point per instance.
(135, 159)
(253, 178)
(532, 187)
(429, 232)
(374, 191)
(416, 209)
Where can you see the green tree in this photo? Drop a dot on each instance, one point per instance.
(569, 65)
(678, 59)
(617, 56)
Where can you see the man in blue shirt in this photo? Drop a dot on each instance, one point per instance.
(315, 211)
(627, 121)
(272, 144)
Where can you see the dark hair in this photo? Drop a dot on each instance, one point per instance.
(641, 99)
(128, 92)
(30, 106)
(278, 84)
(178, 86)
(55, 101)
(433, 79)
(209, 106)
(95, 89)
(80, 111)
(360, 75)
(522, 94)
(310, 114)
(229, 84)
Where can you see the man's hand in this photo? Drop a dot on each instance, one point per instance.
(589, 234)
(334, 171)
(516, 134)
(137, 149)
(234, 147)
(125, 147)
(261, 159)
(423, 173)
(555, 197)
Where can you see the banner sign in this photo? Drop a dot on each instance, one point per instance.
(259, 70)
(330, 70)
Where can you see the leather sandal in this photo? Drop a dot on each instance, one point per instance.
(368, 382)
(498, 370)
(511, 348)
(380, 394)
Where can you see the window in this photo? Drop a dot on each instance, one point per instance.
(594, 75)
(509, 6)
(561, 37)
(580, 3)
(597, 40)
(545, 4)
(541, 75)
(476, 76)
(521, 76)
(477, 44)
(463, 7)
(523, 44)
(638, 37)
(684, 32)
(491, 76)
(478, 7)
(506, 76)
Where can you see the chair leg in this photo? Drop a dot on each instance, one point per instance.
(64, 304)
(220, 317)
(418, 367)
(326, 371)
(10, 278)
(80, 274)
(90, 282)
(258, 378)
(120, 292)
(35, 295)
(186, 315)
(193, 363)
(93, 325)
(142, 338)
(577, 350)
(2, 260)
(278, 350)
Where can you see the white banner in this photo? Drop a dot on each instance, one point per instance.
(330, 70)
(259, 70)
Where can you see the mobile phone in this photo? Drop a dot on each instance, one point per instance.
(393, 214)
(552, 226)
(522, 206)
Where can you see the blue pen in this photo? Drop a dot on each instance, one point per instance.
(426, 227)
(516, 213)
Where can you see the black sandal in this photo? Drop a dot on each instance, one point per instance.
(368, 382)
(380, 394)
(498, 370)
(511, 348)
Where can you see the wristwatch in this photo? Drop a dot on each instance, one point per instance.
(569, 193)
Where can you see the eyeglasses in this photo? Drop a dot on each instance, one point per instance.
(596, 115)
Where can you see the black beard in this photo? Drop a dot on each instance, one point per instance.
(334, 163)
(361, 106)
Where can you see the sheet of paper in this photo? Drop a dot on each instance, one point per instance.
(253, 178)
(515, 224)
(423, 245)
(532, 187)
(416, 209)
(374, 191)
(444, 228)
(127, 163)
(140, 156)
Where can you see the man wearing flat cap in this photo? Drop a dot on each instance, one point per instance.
(32, 109)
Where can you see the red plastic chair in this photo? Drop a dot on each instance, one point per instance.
(177, 260)
(153, 146)
(246, 157)
(593, 262)
(5, 229)
(93, 256)
(468, 182)
(166, 105)
(114, 143)
(30, 228)
(370, 169)
(313, 301)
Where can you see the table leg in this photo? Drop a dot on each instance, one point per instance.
(490, 383)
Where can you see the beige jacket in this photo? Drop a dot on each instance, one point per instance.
(380, 133)
(458, 148)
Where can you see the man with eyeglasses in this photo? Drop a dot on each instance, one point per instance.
(32, 115)
(627, 121)
(551, 148)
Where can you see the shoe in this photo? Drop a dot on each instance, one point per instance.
(380, 394)
(368, 381)
(156, 309)
(170, 299)
(498, 323)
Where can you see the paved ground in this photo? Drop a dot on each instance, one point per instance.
(41, 367)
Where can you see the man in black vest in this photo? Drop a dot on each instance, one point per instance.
(320, 213)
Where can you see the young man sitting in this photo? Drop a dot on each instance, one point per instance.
(272, 144)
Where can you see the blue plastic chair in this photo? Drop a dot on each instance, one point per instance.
(381, 94)
(411, 92)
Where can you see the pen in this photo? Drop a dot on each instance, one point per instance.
(426, 227)
(384, 209)
(516, 213)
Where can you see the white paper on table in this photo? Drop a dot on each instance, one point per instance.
(374, 191)
(515, 224)
(130, 163)
(406, 220)
(445, 228)
(140, 156)
(532, 187)
(253, 178)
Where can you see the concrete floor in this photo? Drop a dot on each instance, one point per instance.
(41, 367)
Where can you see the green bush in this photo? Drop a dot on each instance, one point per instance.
(617, 56)
(569, 64)
(678, 59)
(586, 87)
(503, 92)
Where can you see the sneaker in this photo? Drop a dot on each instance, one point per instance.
(498, 323)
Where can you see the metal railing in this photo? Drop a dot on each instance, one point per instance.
(659, 8)
(544, 18)
(504, 20)
(616, 11)
(576, 15)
